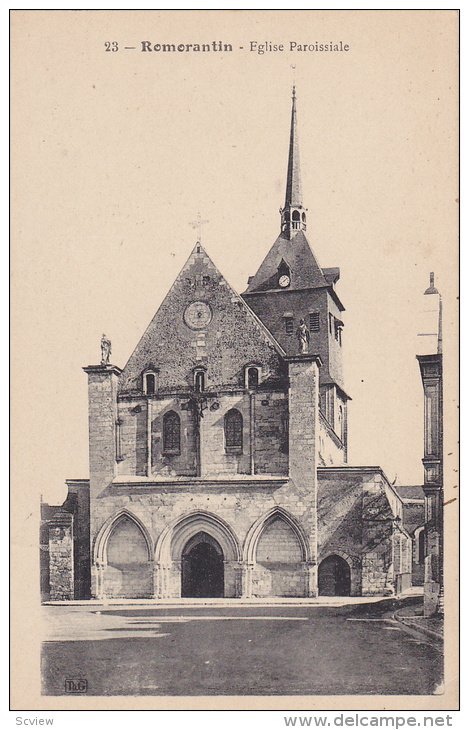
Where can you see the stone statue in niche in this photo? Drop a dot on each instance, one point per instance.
(105, 350)
(303, 337)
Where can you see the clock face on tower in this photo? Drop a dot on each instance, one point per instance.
(197, 315)
(284, 281)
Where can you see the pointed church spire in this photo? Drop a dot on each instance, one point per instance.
(293, 214)
(293, 191)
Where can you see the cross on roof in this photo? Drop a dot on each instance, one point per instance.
(198, 224)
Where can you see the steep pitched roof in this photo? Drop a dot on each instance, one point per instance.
(293, 193)
(297, 253)
(231, 336)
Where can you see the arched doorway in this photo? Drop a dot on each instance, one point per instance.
(334, 577)
(202, 568)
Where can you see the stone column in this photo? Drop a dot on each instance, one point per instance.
(97, 585)
(303, 406)
(311, 578)
(162, 580)
(246, 580)
(102, 418)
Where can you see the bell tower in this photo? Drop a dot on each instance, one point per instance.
(293, 214)
(290, 289)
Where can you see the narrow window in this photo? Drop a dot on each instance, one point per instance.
(253, 378)
(199, 381)
(205, 280)
(314, 322)
(331, 322)
(289, 325)
(338, 331)
(284, 428)
(341, 424)
(171, 433)
(234, 431)
(150, 384)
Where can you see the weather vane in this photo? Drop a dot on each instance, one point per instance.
(198, 223)
(293, 67)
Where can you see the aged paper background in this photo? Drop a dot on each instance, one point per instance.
(113, 154)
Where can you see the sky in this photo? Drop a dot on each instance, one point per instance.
(114, 154)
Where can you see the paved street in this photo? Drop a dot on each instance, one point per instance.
(355, 648)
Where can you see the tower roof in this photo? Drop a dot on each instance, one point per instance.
(293, 193)
(305, 271)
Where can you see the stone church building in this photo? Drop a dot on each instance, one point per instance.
(218, 454)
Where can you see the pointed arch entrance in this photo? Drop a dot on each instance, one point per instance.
(202, 570)
(334, 577)
(198, 556)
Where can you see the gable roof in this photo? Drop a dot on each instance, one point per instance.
(232, 336)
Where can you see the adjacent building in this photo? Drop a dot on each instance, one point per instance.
(430, 360)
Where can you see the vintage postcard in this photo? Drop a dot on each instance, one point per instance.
(235, 338)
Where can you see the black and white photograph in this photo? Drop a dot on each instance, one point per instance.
(234, 374)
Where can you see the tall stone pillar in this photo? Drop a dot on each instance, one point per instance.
(61, 557)
(102, 420)
(303, 406)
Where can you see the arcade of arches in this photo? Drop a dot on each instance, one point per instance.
(200, 557)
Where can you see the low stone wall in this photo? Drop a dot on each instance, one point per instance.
(279, 579)
(133, 580)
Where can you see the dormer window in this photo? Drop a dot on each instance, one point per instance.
(199, 381)
(150, 382)
(283, 275)
(252, 377)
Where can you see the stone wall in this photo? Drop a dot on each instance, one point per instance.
(331, 450)
(61, 578)
(279, 570)
(273, 307)
(265, 447)
(62, 564)
(239, 505)
(357, 512)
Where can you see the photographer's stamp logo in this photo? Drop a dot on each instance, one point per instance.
(76, 686)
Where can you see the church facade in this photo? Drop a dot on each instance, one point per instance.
(218, 454)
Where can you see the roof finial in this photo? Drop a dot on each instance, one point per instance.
(198, 223)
